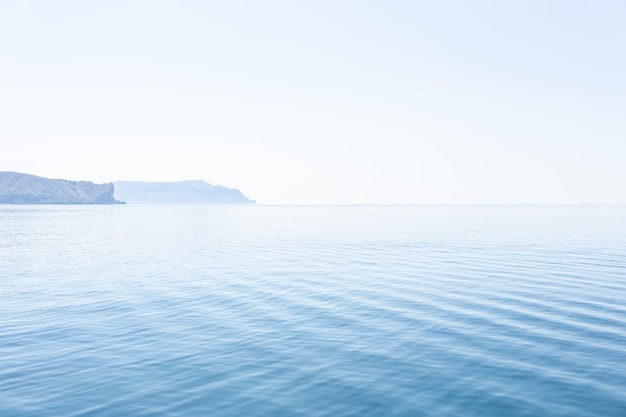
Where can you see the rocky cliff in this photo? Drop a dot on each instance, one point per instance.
(181, 192)
(17, 188)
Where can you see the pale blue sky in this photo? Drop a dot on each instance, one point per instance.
(322, 101)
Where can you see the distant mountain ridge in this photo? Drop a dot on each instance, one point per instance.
(18, 188)
(179, 192)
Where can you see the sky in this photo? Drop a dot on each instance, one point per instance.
(322, 102)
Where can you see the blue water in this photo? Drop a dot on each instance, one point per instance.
(482, 311)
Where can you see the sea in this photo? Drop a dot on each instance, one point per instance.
(313, 311)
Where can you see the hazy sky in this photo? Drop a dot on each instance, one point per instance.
(322, 101)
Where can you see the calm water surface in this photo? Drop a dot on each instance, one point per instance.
(313, 311)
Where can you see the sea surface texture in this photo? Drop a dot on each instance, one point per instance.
(313, 311)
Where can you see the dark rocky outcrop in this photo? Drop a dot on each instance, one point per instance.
(17, 188)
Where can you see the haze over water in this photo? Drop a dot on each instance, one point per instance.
(313, 311)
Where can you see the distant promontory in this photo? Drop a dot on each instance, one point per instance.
(17, 188)
(180, 192)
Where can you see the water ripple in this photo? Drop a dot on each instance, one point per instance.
(313, 311)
